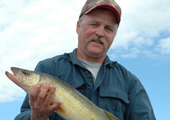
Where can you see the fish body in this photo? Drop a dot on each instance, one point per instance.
(75, 106)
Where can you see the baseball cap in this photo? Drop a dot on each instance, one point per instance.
(108, 4)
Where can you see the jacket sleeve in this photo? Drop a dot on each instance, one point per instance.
(140, 107)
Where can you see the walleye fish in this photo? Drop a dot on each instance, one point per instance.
(75, 106)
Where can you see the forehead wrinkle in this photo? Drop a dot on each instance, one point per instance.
(101, 19)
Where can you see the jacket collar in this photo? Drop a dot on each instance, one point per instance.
(73, 58)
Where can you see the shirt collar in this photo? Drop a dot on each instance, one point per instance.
(74, 59)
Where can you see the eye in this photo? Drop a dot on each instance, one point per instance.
(24, 72)
(93, 24)
(109, 29)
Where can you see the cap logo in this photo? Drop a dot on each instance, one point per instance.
(112, 2)
(99, 1)
(113, 5)
(89, 10)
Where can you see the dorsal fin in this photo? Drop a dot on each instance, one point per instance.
(110, 116)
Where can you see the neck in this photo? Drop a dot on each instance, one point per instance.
(91, 58)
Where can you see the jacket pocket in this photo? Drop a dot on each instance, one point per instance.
(113, 100)
(81, 87)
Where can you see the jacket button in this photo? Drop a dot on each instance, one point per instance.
(86, 72)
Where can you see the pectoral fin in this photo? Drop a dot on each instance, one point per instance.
(110, 116)
(61, 110)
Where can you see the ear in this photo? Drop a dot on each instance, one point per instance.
(78, 27)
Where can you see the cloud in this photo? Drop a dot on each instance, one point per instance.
(142, 25)
(31, 31)
(163, 46)
(150, 54)
(10, 92)
(38, 29)
(132, 54)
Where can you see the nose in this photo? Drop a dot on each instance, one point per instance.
(100, 31)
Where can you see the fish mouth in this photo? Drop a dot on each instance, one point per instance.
(15, 72)
(13, 69)
(13, 78)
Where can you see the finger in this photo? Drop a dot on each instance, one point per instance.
(43, 93)
(50, 96)
(55, 106)
(34, 92)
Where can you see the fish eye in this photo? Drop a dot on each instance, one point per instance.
(24, 72)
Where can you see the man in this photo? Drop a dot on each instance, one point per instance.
(88, 69)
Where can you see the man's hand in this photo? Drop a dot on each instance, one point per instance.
(40, 101)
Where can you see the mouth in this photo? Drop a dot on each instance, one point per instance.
(97, 41)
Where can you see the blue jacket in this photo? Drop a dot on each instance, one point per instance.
(116, 89)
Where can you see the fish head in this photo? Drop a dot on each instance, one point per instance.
(24, 78)
(27, 77)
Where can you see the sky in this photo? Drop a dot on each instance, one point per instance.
(33, 30)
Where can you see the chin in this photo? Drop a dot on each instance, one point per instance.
(96, 52)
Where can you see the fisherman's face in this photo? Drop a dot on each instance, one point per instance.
(96, 32)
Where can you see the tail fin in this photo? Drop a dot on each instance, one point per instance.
(110, 116)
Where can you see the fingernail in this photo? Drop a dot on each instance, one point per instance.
(48, 83)
(39, 84)
(54, 89)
